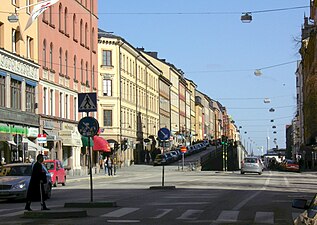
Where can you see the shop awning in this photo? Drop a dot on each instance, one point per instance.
(11, 143)
(85, 141)
(33, 146)
(100, 144)
(51, 135)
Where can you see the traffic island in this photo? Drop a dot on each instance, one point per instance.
(90, 204)
(55, 214)
(162, 187)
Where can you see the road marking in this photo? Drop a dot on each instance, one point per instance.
(163, 213)
(295, 214)
(123, 221)
(264, 217)
(179, 203)
(190, 214)
(245, 201)
(228, 216)
(120, 212)
(286, 182)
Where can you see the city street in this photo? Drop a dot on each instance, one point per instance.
(200, 197)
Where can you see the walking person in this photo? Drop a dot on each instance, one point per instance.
(105, 165)
(109, 163)
(36, 186)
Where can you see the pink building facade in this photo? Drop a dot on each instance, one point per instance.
(68, 41)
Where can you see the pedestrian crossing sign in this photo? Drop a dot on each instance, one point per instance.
(87, 102)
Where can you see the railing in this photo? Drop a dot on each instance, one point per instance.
(189, 166)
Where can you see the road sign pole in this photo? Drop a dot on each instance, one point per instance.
(183, 160)
(90, 168)
(163, 166)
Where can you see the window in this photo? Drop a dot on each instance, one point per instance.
(107, 87)
(93, 40)
(65, 21)
(75, 68)
(44, 53)
(60, 17)
(93, 77)
(66, 107)
(61, 104)
(45, 101)
(15, 41)
(16, 94)
(74, 27)
(107, 117)
(106, 58)
(60, 61)
(87, 81)
(50, 14)
(30, 98)
(14, 2)
(86, 34)
(29, 47)
(82, 71)
(52, 102)
(66, 63)
(75, 109)
(51, 56)
(27, 8)
(2, 90)
(81, 32)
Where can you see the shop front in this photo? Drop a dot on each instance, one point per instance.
(71, 148)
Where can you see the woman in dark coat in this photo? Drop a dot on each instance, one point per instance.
(38, 178)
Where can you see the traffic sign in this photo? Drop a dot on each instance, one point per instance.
(183, 149)
(164, 134)
(88, 126)
(41, 138)
(17, 138)
(87, 102)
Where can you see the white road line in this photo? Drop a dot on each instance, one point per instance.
(228, 216)
(179, 203)
(163, 213)
(123, 221)
(190, 214)
(286, 182)
(264, 217)
(295, 214)
(120, 212)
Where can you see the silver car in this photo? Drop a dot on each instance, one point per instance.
(15, 179)
(251, 165)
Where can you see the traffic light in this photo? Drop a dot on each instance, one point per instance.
(224, 140)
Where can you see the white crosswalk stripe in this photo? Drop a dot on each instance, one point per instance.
(190, 214)
(264, 217)
(228, 216)
(120, 212)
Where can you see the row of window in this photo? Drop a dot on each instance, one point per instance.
(17, 94)
(64, 65)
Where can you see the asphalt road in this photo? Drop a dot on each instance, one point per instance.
(200, 197)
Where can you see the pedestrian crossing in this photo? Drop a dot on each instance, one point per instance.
(223, 217)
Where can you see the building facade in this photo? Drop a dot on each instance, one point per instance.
(68, 58)
(19, 84)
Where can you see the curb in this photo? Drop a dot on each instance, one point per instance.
(90, 204)
(162, 187)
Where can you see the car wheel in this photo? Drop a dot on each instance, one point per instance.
(242, 172)
(64, 182)
(260, 173)
(56, 182)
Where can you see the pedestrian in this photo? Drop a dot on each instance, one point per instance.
(105, 165)
(109, 163)
(36, 186)
(115, 161)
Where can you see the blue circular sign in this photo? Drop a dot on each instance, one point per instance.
(88, 126)
(164, 134)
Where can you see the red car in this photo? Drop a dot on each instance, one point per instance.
(291, 165)
(57, 171)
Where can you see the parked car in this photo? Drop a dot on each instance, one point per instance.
(160, 159)
(251, 165)
(309, 216)
(290, 165)
(169, 158)
(57, 171)
(175, 155)
(15, 179)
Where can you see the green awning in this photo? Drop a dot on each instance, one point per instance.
(85, 141)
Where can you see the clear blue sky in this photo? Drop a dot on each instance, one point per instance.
(208, 41)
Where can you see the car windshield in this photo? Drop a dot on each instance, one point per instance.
(250, 160)
(49, 165)
(22, 170)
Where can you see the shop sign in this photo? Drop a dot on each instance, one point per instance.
(32, 132)
(68, 126)
(13, 65)
(48, 124)
(4, 128)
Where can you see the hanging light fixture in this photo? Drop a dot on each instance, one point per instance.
(246, 17)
